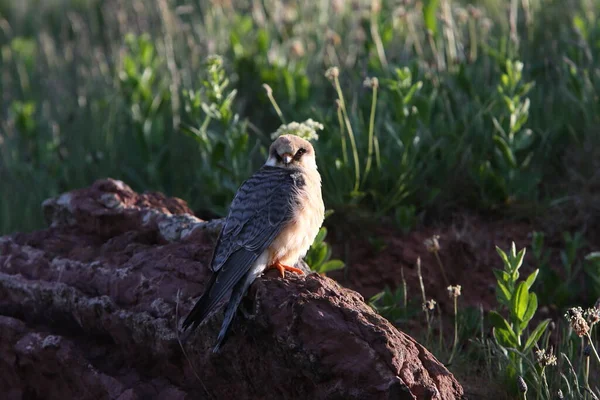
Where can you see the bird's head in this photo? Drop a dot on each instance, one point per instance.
(290, 151)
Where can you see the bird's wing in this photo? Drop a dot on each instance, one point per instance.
(259, 210)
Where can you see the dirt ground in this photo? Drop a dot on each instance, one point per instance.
(377, 255)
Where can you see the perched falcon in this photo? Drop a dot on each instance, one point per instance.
(272, 221)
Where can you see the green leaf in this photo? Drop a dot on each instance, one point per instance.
(513, 250)
(504, 257)
(519, 301)
(320, 236)
(411, 92)
(429, 14)
(535, 335)
(524, 139)
(498, 321)
(503, 292)
(262, 41)
(320, 255)
(537, 243)
(519, 258)
(505, 338)
(331, 265)
(503, 333)
(375, 298)
(498, 126)
(506, 151)
(502, 330)
(593, 256)
(581, 25)
(501, 276)
(532, 306)
(531, 278)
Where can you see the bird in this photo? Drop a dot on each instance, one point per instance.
(272, 221)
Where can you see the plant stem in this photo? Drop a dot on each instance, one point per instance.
(448, 29)
(404, 289)
(586, 372)
(204, 126)
(376, 37)
(424, 297)
(343, 134)
(275, 106)
(472, 40)
(338, 88)
(545, 381)
(421, 279)
(441, 338)
(593, 347)
(455, 344)
(439, 260)
(377, 152)
(371, 132)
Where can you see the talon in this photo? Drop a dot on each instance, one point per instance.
(282, 268)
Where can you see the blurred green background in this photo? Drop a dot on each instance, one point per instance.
(487, 105)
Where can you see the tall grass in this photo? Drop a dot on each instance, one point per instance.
(491, 106)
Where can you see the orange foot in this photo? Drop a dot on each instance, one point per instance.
(282, 268)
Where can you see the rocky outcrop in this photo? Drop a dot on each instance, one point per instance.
(89, 309)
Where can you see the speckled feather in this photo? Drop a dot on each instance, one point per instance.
(258, 211)
(261, 208)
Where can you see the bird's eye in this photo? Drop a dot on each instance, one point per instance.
(276, 155)
(299, 153)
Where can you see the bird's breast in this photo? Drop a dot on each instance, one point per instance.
(299, 233)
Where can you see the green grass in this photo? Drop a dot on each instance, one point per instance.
(427, 107)
(470, 111)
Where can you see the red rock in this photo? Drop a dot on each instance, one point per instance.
(89, 309)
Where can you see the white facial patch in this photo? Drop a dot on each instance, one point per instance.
(271, 161)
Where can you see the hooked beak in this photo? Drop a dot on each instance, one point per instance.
(287, 158)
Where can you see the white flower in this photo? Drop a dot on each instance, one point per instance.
(332, 73)
(306, 130)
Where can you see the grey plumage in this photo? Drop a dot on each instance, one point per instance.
(260, 209)
(237, 294)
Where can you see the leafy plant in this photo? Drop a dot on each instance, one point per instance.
(520, 303)
(378, 164)
(392, 304)
(592, 269)
(319, 254)
(553, 287)
(569, 255)
(146, 94)
(224, 143)
(550, 287)
(507, 176)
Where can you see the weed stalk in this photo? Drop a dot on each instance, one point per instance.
(273, 102)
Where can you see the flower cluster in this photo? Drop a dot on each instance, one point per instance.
(592, 316)
(429, 305)
(432, 244)
(453, 291)
(577, 321)
(545, 359)
(332, 73)
(306, 130)
(371, 83)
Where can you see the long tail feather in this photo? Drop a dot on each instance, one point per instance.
(232, 272)
(237, 295)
